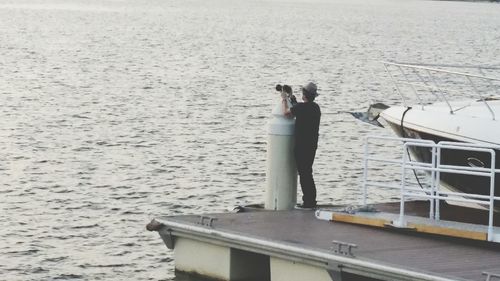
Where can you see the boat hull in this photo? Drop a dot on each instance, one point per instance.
(457, 182)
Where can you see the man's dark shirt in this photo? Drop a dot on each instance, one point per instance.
(307, 120)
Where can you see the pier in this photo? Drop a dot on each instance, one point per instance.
(429, 234)
(256, 244)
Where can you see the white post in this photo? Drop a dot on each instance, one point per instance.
(402, 222)
(365, 173)
(437, 210)
(433, 184)
(492, 196)
(281, 175)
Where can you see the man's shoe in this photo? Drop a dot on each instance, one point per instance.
(305, 206)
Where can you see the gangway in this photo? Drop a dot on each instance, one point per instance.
(433, 191)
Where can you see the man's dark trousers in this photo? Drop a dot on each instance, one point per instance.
(304, 158)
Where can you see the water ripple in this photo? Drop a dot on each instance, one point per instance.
(112, 115)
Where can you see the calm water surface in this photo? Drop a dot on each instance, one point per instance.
(114, 112)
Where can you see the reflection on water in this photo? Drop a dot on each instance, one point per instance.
(114, 112)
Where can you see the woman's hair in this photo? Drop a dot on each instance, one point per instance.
(287, 89)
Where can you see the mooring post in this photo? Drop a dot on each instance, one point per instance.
(281, 174)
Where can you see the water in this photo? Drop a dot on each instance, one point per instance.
(114, 112)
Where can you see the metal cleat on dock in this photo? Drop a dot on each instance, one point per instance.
(343, 248)
(207, 221)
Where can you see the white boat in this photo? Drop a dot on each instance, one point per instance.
(441, 105)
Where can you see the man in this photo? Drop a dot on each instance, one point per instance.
(307, 120)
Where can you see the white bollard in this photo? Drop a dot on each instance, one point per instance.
(281, 174)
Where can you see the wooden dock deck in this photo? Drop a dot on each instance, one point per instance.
(381, 253)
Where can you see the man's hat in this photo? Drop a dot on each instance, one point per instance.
(310, 90)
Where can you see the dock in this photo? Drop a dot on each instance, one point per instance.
(255, 244)
(430, 234)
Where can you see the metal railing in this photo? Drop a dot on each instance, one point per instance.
(433, 168)
(420, 78)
